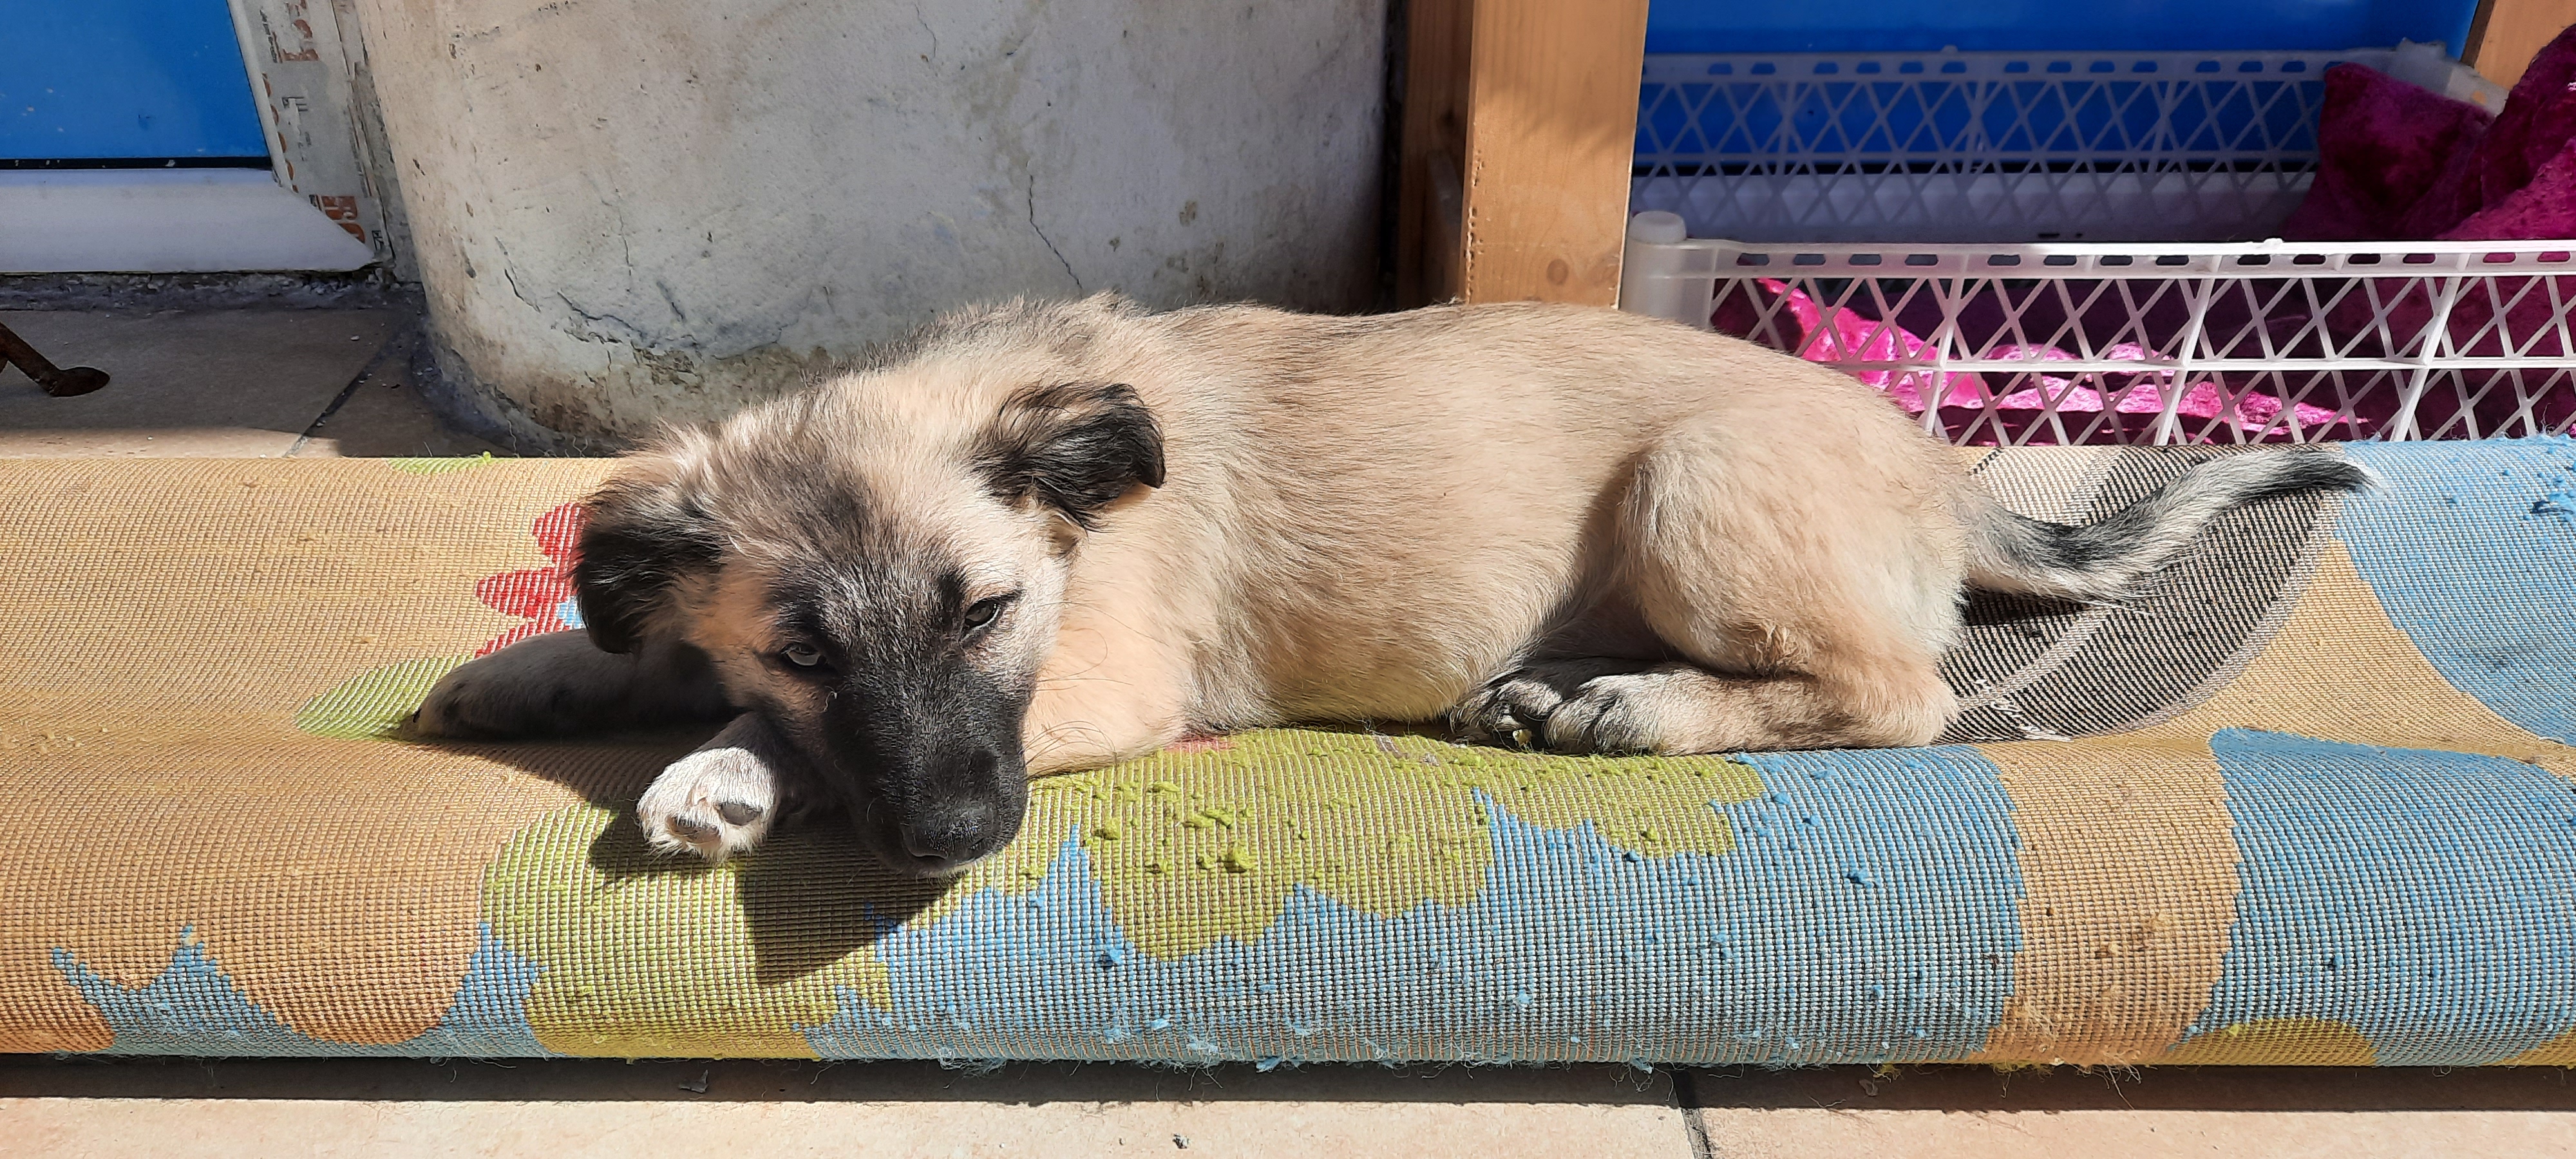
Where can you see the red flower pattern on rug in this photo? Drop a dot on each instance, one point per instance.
(543, 596)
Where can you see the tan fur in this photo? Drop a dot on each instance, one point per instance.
(1370, 518)
(1577, 528)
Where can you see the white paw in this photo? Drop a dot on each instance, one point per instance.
(715, 802)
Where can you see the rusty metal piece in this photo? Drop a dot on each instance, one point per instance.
(54, 380)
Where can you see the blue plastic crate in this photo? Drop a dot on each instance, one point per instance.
(1704, 26)
(1989, 146)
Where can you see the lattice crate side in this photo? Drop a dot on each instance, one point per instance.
(1932, 147)
(2164, 343)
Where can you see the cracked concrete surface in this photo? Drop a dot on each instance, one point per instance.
(1050, 242)
(625, 215)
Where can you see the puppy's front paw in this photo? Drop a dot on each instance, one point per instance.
(476, 702)
(715, 802)
(544, 685)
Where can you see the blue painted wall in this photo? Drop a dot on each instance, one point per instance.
(2032, 25)
(91, 79)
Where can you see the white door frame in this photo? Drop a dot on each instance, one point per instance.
(325, 204)
(308, 75)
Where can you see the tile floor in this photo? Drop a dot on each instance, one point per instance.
(335, 382)
(225, 382)
(579, 1109)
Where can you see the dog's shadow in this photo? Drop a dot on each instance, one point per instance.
(810, 895)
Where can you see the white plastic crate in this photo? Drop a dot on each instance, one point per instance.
(1992, 146)
(2244, 342)
(1886, 213)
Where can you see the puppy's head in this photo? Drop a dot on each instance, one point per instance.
(880, 571)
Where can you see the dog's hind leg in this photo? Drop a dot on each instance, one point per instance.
(560, 684)
(1624, 706)
(1808, 592)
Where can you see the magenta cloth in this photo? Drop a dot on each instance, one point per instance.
(2400, 163)
(2396, 163)
(1837, 334)
(2525, 180)
(2394, 160)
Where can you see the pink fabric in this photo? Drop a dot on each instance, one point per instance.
(2400, 163)
(2525, 186)
(1839, 335)
(2492, 316)
(2393, 161)
(2396, 162)
(1833, 334)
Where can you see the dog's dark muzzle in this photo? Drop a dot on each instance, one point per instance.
(931, 791)
(961, 809)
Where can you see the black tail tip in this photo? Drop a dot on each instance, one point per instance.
(2303, 472)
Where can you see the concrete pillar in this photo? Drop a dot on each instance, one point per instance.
(627, 212)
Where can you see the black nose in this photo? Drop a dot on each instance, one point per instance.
(952, 833)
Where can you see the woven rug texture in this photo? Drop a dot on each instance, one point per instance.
(2309, 798)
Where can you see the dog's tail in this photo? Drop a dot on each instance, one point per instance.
(2015, 553)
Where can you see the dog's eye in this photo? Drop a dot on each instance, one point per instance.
(803, 655)
(981, 614)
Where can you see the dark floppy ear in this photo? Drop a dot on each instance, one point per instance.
(643, 531)
(1075, 447)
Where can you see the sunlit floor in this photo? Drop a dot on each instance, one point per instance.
(263, 382)
(569, 1109)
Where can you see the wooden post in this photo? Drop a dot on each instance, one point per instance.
(1550, 143)
(2508, 33)
(1435, 137)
